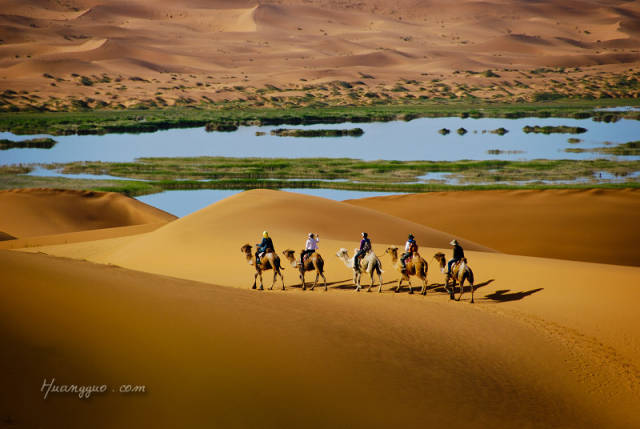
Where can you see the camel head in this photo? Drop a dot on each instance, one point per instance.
(289, 254)
(393, 251)
(343, 253)
(440, 258)
(246, 249)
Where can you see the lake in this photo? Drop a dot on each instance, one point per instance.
(415, 140)
(182, 203)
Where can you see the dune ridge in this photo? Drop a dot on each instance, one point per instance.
(598, 225)
(38, 212)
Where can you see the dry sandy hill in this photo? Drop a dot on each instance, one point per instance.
(549, 343)
(283, 41)
(599, 225)
(563, 357)
(205, 245)
(37, 212)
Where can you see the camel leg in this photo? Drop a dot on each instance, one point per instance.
(275, 276)
(370, 284)
(281, 278)
(304, 285)
(261, 287)
(255, 280)
(451, 291)
(461, 288)
(399, 283)
(472, 293)
(380, 279)
(410, 288)
(325, 281)
(316, 282)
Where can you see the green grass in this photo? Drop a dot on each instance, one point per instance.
(149, 120)
(357, 172)
(294, 132)
(39, 143)
(561, 129)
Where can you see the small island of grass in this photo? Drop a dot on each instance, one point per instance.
(38, 143)
(296, 132)
(560, 129)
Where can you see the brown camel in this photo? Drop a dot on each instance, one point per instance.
(313, 262)
(269, 261)
(416, 266)
(459, 273)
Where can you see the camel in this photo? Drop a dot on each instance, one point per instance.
(269, 261)
(417, 266)
(459, 273)
(313, 262)
(368, 264)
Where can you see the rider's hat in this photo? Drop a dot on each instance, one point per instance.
(454, 242)
(265, 234)
(410, 235)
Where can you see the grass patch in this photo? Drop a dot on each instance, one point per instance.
(39, 143)
(293, 132)
(560, 129)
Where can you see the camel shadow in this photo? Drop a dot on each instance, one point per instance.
(321, 284)
(439, 287)
(504, 296)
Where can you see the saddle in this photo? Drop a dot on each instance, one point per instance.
(305, 258)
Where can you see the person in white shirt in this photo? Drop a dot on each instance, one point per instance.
(310, 246)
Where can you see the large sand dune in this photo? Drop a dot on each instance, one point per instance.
(36, 212)
(236, 358)
(205, 245)
(585, 225)
(549, 342)
(280, 42)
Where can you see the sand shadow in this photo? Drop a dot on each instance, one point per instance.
(505, 296)
(321, 284)
(439, 287)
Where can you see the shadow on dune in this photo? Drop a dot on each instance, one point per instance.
(321, 284)
(439, 287)
(504, 296)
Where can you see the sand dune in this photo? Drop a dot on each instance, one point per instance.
(585, 225)
(205, 246)
(549, 343)
(281, 42)
(237, 358)
(37, 212)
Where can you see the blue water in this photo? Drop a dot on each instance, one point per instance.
(415, 140)
(182, 203)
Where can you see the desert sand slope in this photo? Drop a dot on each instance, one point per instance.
(205, 246)
(595, 300)
(280, 42)
(224, 357)
(35, 212)
(585, 225)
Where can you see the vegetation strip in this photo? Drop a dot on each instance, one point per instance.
(38, 143)
(219, 119)
(295, 132)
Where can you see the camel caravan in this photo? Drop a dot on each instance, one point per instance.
(364, 261)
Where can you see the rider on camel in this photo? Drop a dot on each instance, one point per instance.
(310, 246)
(365, 246)
(410, 248)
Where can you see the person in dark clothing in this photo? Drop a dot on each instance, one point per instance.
(458, 254)
(365, 246)
(410, 248)
(265, 245)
